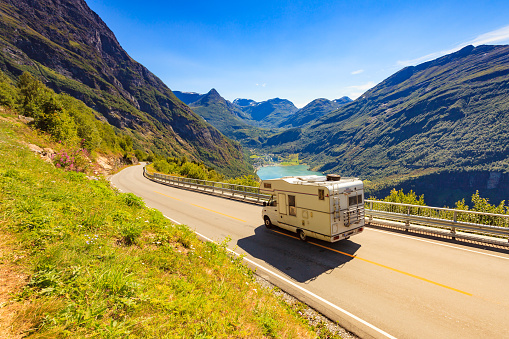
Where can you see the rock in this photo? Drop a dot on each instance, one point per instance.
(35, 148)
(25, 119)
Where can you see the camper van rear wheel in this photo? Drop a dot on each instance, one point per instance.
(267, 222)
(302, 235)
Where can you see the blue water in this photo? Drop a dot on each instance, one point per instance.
(273, 172)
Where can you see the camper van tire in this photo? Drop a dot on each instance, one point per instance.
(267, 222)
(302, 235)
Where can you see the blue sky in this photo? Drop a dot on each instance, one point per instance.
(295, 50)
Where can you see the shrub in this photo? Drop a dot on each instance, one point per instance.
(132, 200)
(130, 232)
(8, 93)
(74, 160)
(140, 155)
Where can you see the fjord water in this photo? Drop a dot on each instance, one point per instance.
(272, 172)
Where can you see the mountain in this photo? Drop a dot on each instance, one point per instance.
(314, 110)
(187, 97)
(342, 101)
(268, 113)
(228, 118)
(68, 47)
(244, 102)
(444, 119)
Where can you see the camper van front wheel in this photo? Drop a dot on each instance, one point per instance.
(302, 235)
(267, 222)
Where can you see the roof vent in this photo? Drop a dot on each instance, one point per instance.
(333, 177)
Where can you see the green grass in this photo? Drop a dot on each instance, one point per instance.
(100, 264)
(291, 160)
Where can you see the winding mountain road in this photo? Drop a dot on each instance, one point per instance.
(377, 284)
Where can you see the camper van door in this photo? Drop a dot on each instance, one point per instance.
(281, 203)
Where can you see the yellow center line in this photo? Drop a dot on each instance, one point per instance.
(167, 196)
(384, 266)
(226, 215)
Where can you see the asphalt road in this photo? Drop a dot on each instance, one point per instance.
(377, 284)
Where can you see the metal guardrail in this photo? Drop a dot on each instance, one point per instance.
(240, 192)
(438, 220)
(456, 223)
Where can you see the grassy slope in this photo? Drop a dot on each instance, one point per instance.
(100, 264)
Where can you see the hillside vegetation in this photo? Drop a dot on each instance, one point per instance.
(84, 260)
(70, 49)
(66, 119)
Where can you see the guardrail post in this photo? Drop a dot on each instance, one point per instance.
(453, 229)
(407, 222)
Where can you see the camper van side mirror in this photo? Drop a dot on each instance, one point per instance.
(264, 203)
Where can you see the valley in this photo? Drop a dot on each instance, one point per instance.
(436, 128)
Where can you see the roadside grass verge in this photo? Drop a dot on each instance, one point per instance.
(98, 263)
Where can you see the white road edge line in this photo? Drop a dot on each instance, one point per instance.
(437, 243)
(299, 287)
(172, 220)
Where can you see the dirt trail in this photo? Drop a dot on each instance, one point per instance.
(11, 281)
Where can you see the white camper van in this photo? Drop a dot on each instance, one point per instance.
(329, 207)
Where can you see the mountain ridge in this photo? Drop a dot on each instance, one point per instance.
(314, 110)
(74, 51)
(228, 118)
(442, 116)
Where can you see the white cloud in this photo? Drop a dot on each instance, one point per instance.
(354, 92)
(359, 71)
(363, 87)
(263, 85)
(497, 36)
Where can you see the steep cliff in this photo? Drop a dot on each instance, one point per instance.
(68, 47)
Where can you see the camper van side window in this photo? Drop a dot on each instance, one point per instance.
(267, 185)
(321, 194)
(352, 200)
(291, 204)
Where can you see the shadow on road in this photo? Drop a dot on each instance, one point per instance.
(300, 260)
